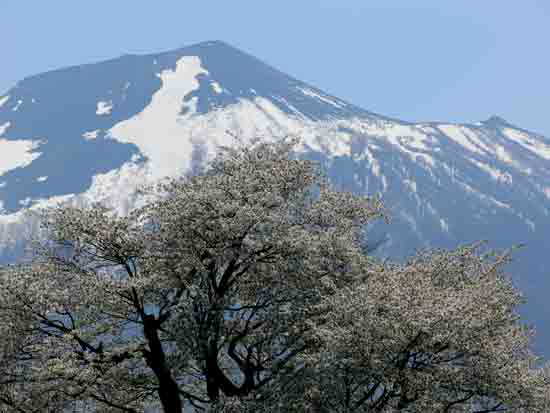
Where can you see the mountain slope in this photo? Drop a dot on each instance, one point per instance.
(96, 132)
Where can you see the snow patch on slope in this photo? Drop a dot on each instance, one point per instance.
(16, 154)
(373, 162)
(464, 137)
(217, 88)
(538, 148)
(3, 100)
(496, 174)
(104, 108)
(4, 127)
(115, 189)
(158, 131)
(313, 94)
(118, 188)
(444, 225)
(409, 139)
(18, 105)
(178, 137)
(483, 197)
(506, 157)
(292, 108)
(167, 136)
(91, 135)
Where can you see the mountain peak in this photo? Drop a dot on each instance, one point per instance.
(496, 120)
(213, 43)
(69, 112)
(231, 75)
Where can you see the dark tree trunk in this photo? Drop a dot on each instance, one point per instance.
(169, 396)
(168, 388)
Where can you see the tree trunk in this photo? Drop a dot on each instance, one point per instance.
(168, 390)
(169, 396)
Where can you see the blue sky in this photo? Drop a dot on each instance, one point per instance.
(416, 60)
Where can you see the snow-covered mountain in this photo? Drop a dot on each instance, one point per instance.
(96, 132)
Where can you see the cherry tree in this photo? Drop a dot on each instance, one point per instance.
(439, 333)
(247, 288)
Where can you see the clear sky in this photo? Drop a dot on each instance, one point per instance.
(448, 60)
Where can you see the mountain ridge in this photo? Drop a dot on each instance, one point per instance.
(220, 43)
(95, 132)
